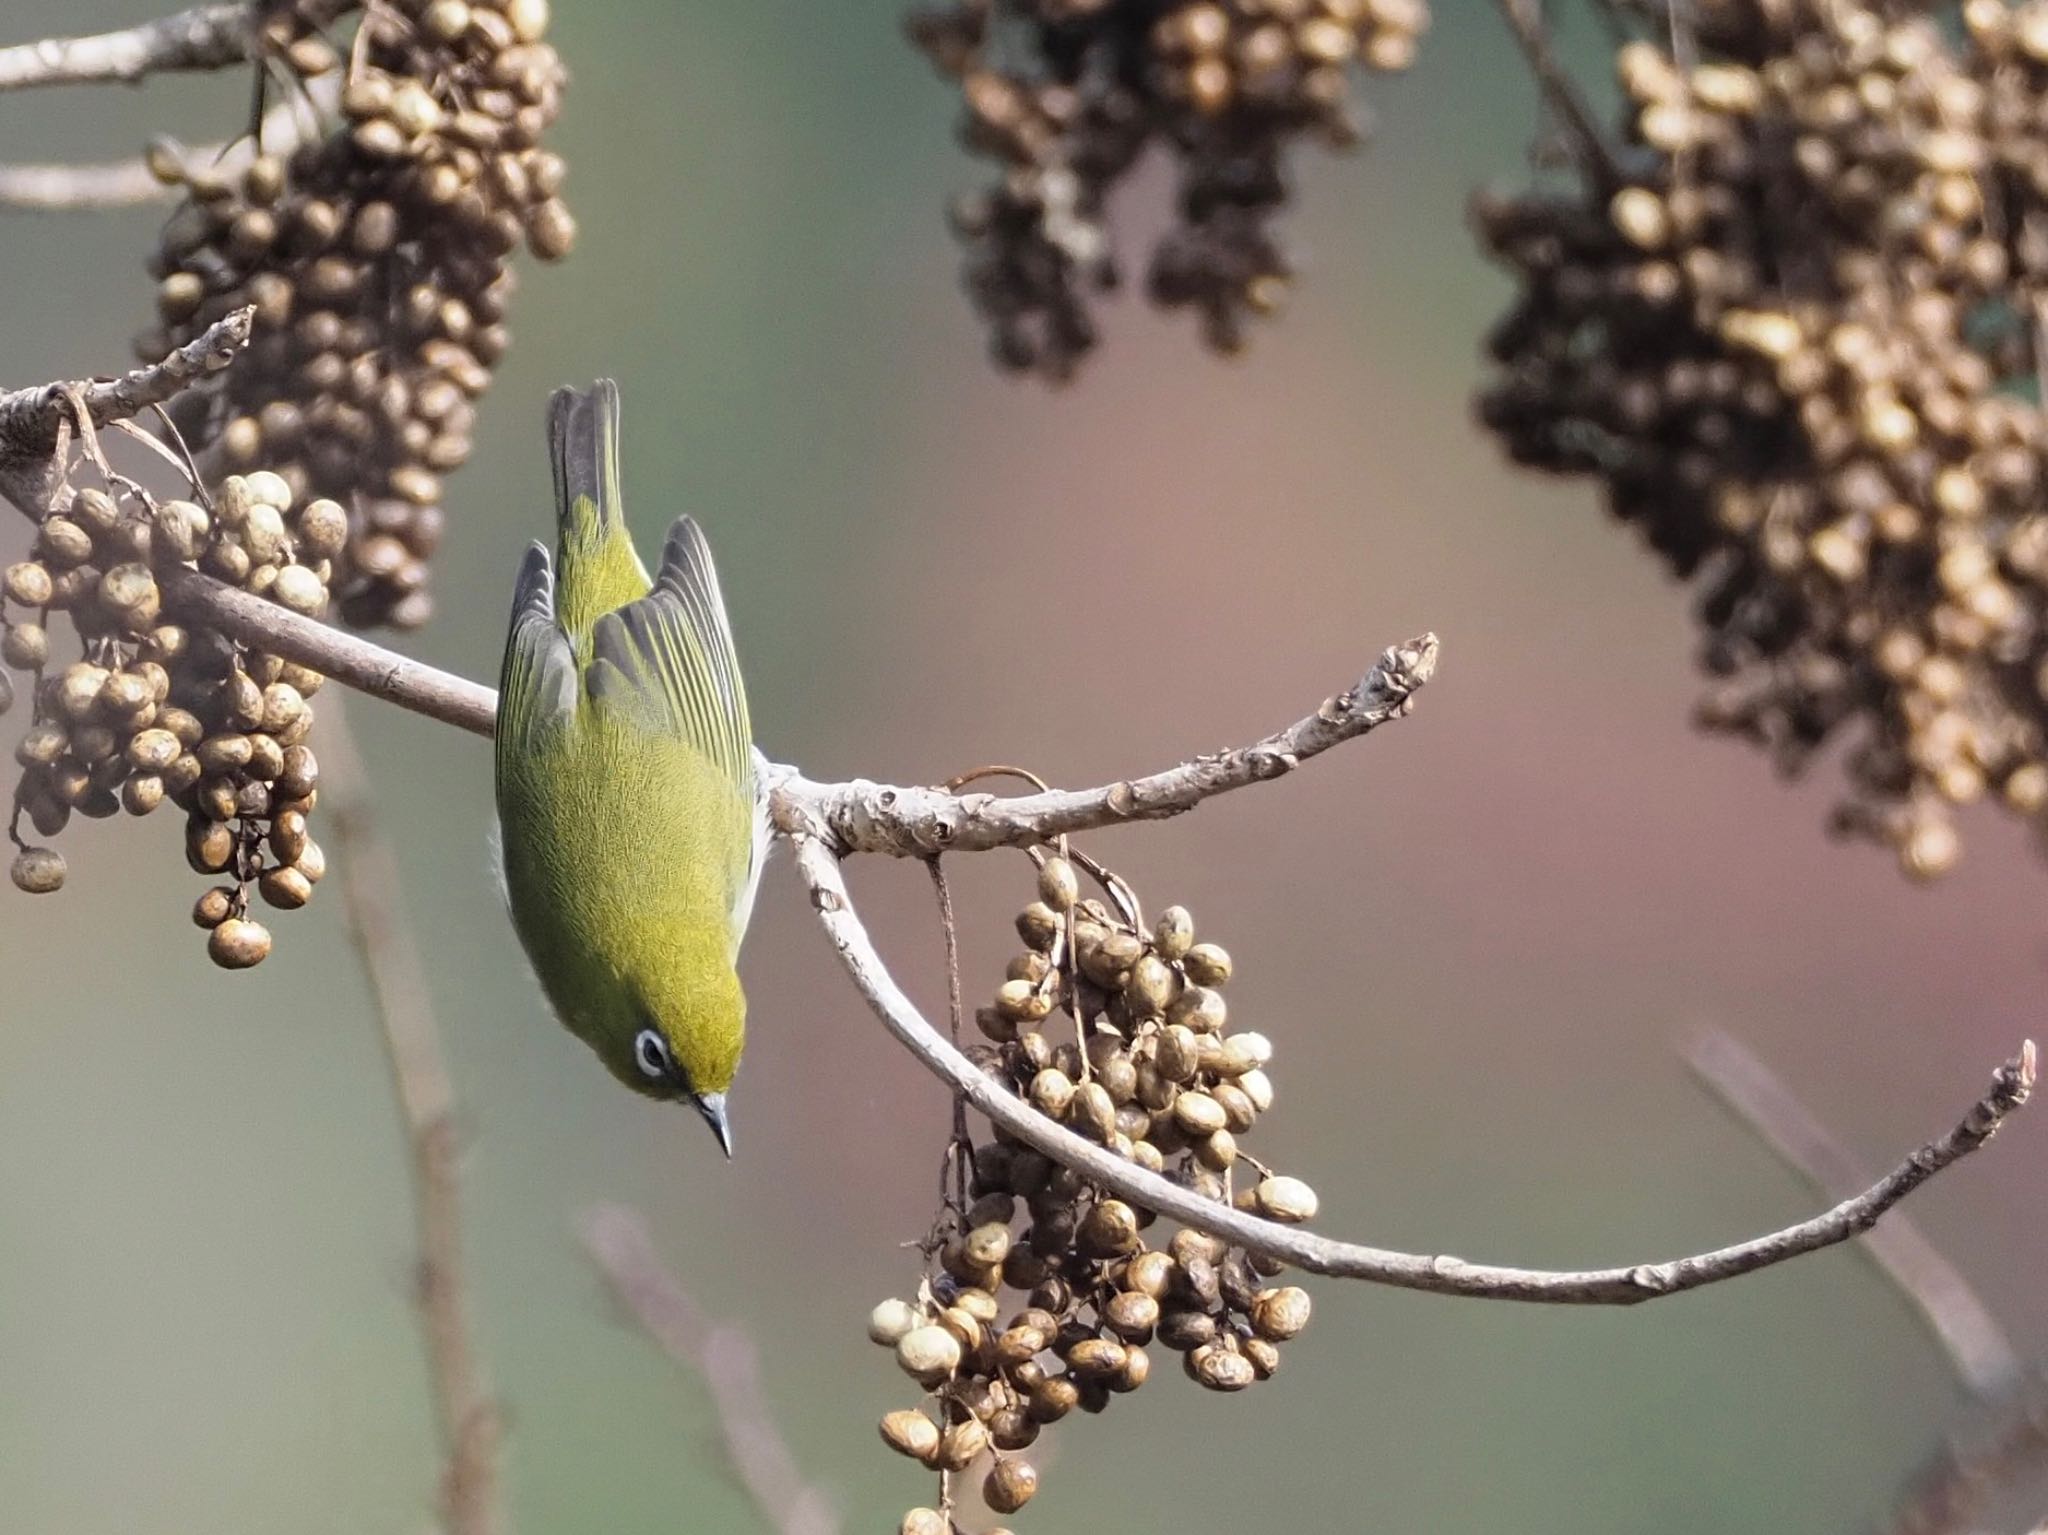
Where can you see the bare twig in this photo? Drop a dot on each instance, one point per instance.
(862, 817)
(722, 1356)
(63, 188)
(1532, 36)
(80, 188)
(31, 420)
(467, 1418)
(204, 37)
(1977, 1346)
(1442, 1275)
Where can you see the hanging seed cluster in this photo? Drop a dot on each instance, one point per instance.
(1797, 333)
(151, 712)
(1064, 95)
(376, 259)
(1047, 1295)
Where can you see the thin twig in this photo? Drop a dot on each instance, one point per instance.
(204, 37)
(65, 188)
(33, 420)
(960, 1149)
(1532, 36)
(862, 817)
(466, 1416)
(1442, 1275)
(1978, 1348)
(722, 1356)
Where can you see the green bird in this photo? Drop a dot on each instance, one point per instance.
(631, 819)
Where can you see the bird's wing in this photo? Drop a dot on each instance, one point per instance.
(667, 660)
(537, 685)
(764, 843)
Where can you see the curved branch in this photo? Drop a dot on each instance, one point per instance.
(1412, 1271)
(1982, 1353)
(204, 37)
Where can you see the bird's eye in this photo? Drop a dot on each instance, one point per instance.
(651, 1051)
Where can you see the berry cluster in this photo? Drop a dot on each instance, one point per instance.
(376, 259)
(1066, 94)
(1793, 324)
(151, 711)
(1156, 1078)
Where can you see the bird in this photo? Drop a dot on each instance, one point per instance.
(631, 808)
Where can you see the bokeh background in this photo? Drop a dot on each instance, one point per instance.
(1477, 937)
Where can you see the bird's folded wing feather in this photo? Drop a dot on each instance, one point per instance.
(537, 686)
(668, 661)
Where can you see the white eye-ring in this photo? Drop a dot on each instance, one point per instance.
(651, 1051)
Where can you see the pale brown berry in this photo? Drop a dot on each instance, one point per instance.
(238, 943)
(38, 870)
(928, 1354)
(1207, 964)
(1058, 887)
(909, 1432)
(214, 907)
(1009, 1485)
(1280, 1314)
(961, 1445)
(889, 1321)
(286, 888)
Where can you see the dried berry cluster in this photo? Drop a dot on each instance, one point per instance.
(1161, 1083)
(376, 259)
(152, 711)
(1066, 94)
(1794, 325)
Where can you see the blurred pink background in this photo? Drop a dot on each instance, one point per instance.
(1476, 937)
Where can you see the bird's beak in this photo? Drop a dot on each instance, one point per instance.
(712, 1107)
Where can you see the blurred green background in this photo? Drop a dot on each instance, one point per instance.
(1476, 937)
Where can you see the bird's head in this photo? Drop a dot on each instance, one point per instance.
(685, 1043)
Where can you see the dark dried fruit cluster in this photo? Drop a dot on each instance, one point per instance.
(1794, 326)
(1161, 1083)
(151, 711)
(376, 259)
(1066, 94)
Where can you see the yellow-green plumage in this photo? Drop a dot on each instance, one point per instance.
(627, 801)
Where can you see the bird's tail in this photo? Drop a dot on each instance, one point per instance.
(599, 569)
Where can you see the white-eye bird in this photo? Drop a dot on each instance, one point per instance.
(631, 814)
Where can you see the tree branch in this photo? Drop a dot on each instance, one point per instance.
(1978, 1348)
(466, 1416)
(204, 37)
(825, 821)
(723, 1357)
(1413, 1271)
(361, 664)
